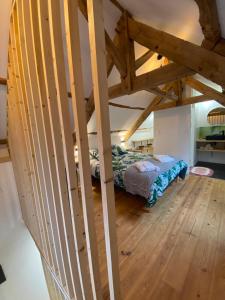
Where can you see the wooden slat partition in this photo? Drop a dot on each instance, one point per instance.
(99, 75)
(76, 85)
(55, 196)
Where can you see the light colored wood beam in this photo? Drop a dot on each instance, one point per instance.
(143, 59)
(151, 80)
(99, 75)
(111, 47)
(198, 59)
(206, 90)
(143, 117)
(187, 101)
(209, 21)
(126, 46)
(158, 92)
(77, 89)
(149, 109)
(116, 55)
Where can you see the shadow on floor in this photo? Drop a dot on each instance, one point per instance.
(219, 169)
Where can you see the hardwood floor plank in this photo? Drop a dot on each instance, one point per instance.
(170, 252)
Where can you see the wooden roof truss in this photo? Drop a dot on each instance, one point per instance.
(186, 59)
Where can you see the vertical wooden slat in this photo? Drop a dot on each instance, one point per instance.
(99, 75)
(31, 138)
(25, 134)
(12, 133)
(32, 104)
(38, 116)
(58, 146)
(76, 86)
(24, 177)
(56, 212)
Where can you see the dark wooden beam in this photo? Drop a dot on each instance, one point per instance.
(118, 5)
(126, 106)
(202, 61)
(3, 81)
(3, 141)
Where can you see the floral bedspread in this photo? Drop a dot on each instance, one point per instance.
(121, 162)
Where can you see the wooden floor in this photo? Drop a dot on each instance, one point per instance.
(174, 251)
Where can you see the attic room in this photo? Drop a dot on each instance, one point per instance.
(112, 149)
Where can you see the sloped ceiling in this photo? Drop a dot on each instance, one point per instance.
(177, 17)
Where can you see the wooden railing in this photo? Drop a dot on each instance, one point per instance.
(41, 144)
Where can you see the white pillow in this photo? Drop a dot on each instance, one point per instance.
(146, 166)
(164, 158)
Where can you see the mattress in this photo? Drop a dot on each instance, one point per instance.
(149, 185)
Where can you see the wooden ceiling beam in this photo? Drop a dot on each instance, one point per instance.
(186, 101)
(205, 89)
(149, 109)
(118, 5)
(143, 59)
(111, 47)
(202, 61)
(110, 58)
(166, 94)
(126, 46)
(160, 76)
(126, 106)
(3, 81)
(209, 21)
(117, 57)
(151, 80)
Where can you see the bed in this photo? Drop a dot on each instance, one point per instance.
(149, 185)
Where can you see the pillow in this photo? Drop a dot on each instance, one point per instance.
(146, 166)
(164, 158)
(94, 154)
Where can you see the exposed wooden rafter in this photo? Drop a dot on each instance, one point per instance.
(209, 21)
(166, 94)
(189, 58)
(118, 5)
(151, 80)
(116, 55)
(126, 46)
(149, 109)
(143, 59)
(205, 89)
(202, 61)
(187, 101)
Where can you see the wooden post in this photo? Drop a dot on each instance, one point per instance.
(99, 75)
